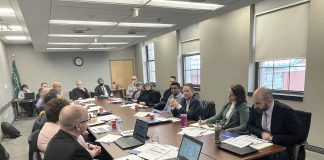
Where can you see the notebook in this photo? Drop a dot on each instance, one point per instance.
(138, 138)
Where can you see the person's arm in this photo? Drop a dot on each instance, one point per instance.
(86, 93)
(252, 123)
(217, 116)
(97, 92)
(74, 94)
(80, 154)
(294, 129)
(244, 113)
(21, 95)
(195, 110)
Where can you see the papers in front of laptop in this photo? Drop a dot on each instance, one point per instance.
(108, 138)
(246, 140)
(100, 129)
(116, 100)
(107, 118)
(195, 131)
(94, 123)
(88, 105)
(156, 151)
(131, 156)
(127, 133)
(94, 108)
(142, 114)
(203, 126)
(168, 119)
(86, 100)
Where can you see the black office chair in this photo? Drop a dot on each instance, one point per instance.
(92, 94)
(70, 94)
(209, 109)
(33, 150)
(299, 149)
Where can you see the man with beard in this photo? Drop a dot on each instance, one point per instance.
(101, 89)
(274, 122)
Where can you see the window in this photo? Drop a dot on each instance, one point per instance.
(283, 75)
(191, 69)
(150, 63)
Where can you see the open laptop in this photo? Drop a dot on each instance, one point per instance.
(30, 95)
(240, 151)
(138, 138)
(190, 149)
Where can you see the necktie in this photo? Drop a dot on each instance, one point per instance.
(265, 122)
(104, 90)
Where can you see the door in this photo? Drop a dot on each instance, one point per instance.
(121, 72)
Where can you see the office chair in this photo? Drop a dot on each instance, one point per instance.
(299, 149)
(70, 94)
(209, 109)
(33, 150)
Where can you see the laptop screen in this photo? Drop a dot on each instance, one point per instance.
(140, 130)
(189, 149)
(30, 95)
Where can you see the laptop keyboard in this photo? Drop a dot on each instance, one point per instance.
(130, 141)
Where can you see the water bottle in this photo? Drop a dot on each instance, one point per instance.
(218, 128)
(119, 125)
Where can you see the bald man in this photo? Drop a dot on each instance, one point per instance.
(79, 92)
(131, 88)
(64, 145)
(275, 122)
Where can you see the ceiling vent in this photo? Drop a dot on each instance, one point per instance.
(80, 29)
(134, 31)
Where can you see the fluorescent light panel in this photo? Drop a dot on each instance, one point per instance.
(7, 12)
(105, 48)
(62, 48)
(112, 43)
(159, 3)
(16, 38)
(92, 36)
(153, 25)
(66, 43)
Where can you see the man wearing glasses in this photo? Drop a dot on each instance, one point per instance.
(64, 145)
(131, 88)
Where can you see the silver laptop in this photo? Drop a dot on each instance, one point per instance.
(190, 149)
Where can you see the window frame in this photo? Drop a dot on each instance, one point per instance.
(196, 87)
(148, 64)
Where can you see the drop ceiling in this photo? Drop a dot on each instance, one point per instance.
(37, 15)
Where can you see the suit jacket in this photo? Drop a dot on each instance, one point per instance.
(286, 128)
(64, 146)
(238, 118)
(167, 93)
(195, 109)
(77, 93)
(99, 91)
(150, 97)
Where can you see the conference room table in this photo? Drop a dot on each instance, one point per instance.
(168, 134)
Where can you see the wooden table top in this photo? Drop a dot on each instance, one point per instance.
(168, 134)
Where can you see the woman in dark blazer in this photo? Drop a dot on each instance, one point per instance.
(235, 113)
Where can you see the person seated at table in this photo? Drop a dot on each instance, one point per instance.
(57, 85)
(52, 126)
(27, 106)
(102, 89)
(189, 105)
(275, 122)
(137, 92)
(131, 88)
(38, 95)
(167, 93)
(235, 113)
(79, 92)
(149, 96)
(40, 102)
(176, 95)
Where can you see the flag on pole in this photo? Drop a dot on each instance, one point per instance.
(15, 79)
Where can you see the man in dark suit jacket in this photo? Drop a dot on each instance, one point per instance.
(275, 122)
(64, 145)
(101, 89)
(190, 105)
(79, 92)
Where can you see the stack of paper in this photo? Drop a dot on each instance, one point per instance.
(130, 157)
(142, 114)
(107, 118)
(100, 129)
(246, 140)
(196, 131)
(94, 108)
(94, 123)
(108, 138)
(155, 151)
(203, 126)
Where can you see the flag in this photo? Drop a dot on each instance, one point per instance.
(15, 79)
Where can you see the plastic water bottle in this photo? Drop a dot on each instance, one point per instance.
(218, 128)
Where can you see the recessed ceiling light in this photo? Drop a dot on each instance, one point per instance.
(66, 43)
(62, 48)
(112, 43)
(16, 38)
(105, 48)
(7, 12)
(159, 3)
(153, 25)
(91, 36)
(85, 23)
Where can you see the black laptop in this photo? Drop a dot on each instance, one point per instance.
(240, 151)
(30, 95)
(138, 138)
(189, 149)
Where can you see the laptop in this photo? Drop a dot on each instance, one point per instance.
(239, 151)
(30, 95)
(138, 138)
(190, 149)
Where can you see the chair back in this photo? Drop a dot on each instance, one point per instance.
(33, 150)
(209, 109)
(305, 119)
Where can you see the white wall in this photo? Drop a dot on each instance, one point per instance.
(35, 68)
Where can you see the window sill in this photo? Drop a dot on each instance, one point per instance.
(285, 96)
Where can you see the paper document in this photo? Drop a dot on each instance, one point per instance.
(94, 123)
(107, 118)
(130, 157)
(100, 129)
(128, 105)
(93, 109)
(245, 140)
(195, 131)
(127, 133)
(108, 138)
(142, 114)
(203, 126)
(155, 151)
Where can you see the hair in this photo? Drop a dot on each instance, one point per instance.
(174, 77)
(100, 79)
(43, 84)
(267, 93)
(40, 90)
(78, 81)
(23, 86)
(175, 84)
(240, 94)
(189, 85)
(138, 84)
(52, 93)
(53, 109)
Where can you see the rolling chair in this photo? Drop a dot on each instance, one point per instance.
(299, 149)
(209, 109)
(33, 150)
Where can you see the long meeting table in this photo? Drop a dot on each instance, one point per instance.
(168, 134)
